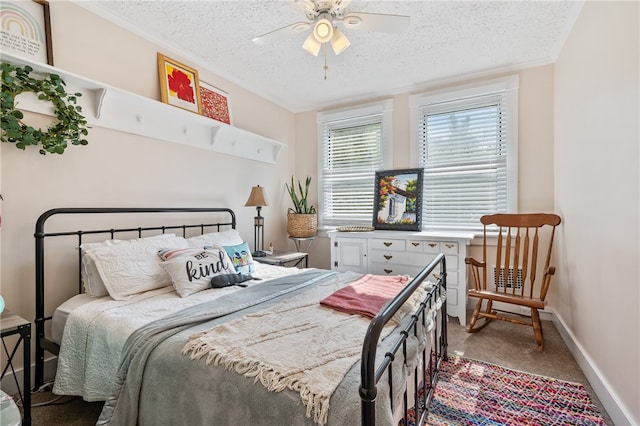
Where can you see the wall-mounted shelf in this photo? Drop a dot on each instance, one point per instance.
(113, 108)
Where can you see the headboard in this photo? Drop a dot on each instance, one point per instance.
(217, 219)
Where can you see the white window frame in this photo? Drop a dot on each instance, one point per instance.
(385, 108)
(508, 85)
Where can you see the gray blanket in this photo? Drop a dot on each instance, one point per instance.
(156, 385)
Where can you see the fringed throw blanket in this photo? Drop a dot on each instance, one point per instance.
(297, 345)
(366, 296)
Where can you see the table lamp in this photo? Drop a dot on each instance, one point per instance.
(256, 199)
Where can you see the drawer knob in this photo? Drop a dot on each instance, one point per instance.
(415, 244)
(433, 245)
(449, 245)
(387, 244)
(388, 256)
(436, 276)
(388, 271)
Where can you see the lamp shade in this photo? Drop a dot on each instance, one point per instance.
(256, 198)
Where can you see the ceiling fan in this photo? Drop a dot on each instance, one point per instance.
(325, 16)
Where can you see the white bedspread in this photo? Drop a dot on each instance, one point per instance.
(95, 333)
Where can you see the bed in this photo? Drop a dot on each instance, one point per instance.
(288, 346)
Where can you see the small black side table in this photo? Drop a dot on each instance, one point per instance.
(282, 258)
(11, 324)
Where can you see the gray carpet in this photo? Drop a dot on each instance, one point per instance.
(508, 345)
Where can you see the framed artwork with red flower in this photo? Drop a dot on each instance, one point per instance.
(179, 84)
(215, 103)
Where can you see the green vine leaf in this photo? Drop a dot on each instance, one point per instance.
(70, 126)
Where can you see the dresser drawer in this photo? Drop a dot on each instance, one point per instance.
(446, 247)
(400, 257)
(449, 247)
(432, 247)
(378, 268)
(388, 244)
(416, 246)
(393, 269)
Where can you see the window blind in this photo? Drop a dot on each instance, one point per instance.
(351, 153)
(464, 149)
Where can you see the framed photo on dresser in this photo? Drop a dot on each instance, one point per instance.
(398, 200)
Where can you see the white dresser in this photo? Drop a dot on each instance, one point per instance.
(406, 252)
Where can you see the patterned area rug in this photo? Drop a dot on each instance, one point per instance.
(477, 393)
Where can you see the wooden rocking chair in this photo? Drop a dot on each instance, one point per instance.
(513, 278)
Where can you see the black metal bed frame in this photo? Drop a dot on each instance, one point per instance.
(42, 342)
(371, 374)
(429, 359)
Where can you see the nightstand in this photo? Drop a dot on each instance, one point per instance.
(11, 324)
(282, 258)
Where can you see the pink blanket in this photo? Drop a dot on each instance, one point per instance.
(367, 295)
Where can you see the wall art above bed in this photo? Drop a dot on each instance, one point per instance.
(179, 84)
(215, 103)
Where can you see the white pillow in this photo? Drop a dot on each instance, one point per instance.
(91, 280)
(132, 267)
(192, 272)
(230, 237)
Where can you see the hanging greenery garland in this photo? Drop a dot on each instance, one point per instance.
(69, 126)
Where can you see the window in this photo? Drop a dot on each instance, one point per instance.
(353, 143)
(466, 141)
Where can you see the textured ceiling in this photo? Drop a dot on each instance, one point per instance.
(445, 41)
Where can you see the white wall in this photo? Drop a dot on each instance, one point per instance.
(120, 169)
(596, 192)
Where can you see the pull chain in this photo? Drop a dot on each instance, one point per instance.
(326, 67)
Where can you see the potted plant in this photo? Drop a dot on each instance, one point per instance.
(302, 221)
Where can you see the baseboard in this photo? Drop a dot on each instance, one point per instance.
(8, 384)
(608, 397)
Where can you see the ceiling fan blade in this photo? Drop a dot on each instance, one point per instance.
(376, 22)
(281, 33)
(339, 7)
(307, 6)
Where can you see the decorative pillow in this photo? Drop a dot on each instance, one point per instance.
(241, 257)
(132, 267)
(192, 272)
(168, 253)
(229, 237)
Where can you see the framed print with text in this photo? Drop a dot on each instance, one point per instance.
(25, 30)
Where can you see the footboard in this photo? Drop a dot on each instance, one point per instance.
(224, 219)
(425, 372)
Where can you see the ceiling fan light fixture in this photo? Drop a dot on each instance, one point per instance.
(312, 45)
(339, 42)
(323, 30)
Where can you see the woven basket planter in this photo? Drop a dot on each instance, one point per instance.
(302, 225)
